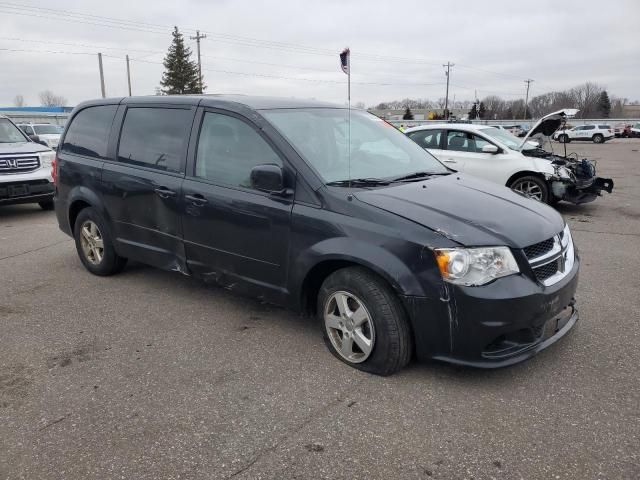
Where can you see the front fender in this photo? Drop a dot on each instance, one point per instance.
(380, 260)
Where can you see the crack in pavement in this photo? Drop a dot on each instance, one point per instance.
(35, 249)
(287, 435)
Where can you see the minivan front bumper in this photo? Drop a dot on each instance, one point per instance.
(495, 325)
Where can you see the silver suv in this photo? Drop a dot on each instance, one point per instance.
(25, 168)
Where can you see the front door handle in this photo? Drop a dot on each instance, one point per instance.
(164, 192)
(196, 199)
(450, 160)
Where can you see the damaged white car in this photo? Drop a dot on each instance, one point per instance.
(520, 164)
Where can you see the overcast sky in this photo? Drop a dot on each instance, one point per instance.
(290, 47)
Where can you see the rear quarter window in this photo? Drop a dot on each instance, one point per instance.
(604, 127)
(88, 133)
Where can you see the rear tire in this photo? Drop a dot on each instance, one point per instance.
(94, 244)
(356, 307)
(532, 187)
(46, 205)
(598, 138)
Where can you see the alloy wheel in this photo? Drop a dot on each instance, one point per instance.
(349, 326)
(528, 189)
(91, 242)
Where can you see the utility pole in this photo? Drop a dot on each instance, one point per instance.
(526, 101)
(128, 75)
(446, 98)
(197, 38)
(101, 75)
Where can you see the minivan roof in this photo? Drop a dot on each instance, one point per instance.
(213, 100)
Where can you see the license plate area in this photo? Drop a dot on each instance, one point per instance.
(18, 190)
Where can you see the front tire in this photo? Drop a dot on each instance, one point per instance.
(94, 244)
(532, 187)
(598, 138)
(363, 322)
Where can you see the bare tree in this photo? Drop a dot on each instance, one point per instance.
(50, 99)
(18, 101)
(360, 105)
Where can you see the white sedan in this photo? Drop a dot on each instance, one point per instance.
(498, 156)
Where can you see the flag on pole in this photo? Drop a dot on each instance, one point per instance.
(344, 60)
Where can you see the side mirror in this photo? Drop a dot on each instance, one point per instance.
(490, 149)
(267, 178)
(36, 139)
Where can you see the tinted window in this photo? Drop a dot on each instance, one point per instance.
(605, 127)
(89, 131)
(588, 127)
(155, 137)
(229, 148)
(427, 138)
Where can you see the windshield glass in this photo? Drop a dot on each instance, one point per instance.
(46, 129)
(506, 138)
(378, 150)
(9, 133)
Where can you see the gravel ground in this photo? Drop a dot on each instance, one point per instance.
(152, 374)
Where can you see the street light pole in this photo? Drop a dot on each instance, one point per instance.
(101, 75)
(446, 98)
(526, 101)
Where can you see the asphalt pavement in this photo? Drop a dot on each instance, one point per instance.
(154, 375)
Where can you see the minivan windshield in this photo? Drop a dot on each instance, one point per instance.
(378, 150)
(9, 133)
(47, 129)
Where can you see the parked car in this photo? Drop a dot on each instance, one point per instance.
(595, 133)
(44, 133)
(495, 155)
(512, 129)
(634, 131)
(392, 251)
(622, 130)
(25, 168)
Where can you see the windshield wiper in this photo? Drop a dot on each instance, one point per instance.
(359, 182)
(418, 176)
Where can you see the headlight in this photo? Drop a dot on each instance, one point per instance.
(475, 266)
(46, 158)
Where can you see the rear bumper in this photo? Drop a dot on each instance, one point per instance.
(496, 325)
(31, 191)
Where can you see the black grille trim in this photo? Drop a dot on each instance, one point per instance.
(19, 164)
(539, 249)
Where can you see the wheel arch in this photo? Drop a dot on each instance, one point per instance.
(525, 173)
(315, 268)
(80, 198)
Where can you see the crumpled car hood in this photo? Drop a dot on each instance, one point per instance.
(548, 124)
(469, 211)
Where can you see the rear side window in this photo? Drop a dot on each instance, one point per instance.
(604, 127)
(589, 127)
(427, 138)
(155, 137)
(229, 148)
(88, 133)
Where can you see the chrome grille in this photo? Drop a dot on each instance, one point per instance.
(19, 164)
(538, 249)
(551, 259)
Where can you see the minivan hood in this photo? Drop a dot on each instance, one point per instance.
(548, 124)
(22, 147)
(469, 211)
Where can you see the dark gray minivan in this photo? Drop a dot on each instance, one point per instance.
(301, 204)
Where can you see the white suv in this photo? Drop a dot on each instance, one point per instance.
(25, 168)
(595, 133)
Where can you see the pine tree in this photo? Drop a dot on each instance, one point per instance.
(482, 110)
(604, 104)
(181, 74)
(407, 114)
